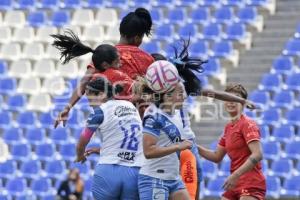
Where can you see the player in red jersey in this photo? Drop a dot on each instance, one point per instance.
(241, 141)
(134, 61)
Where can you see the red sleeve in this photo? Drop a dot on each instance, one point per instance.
(222, 141)
(250, 131)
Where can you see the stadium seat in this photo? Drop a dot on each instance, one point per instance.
(93, 34)
(247, 14)
(260, 97)
(31, 169)
(29, 85)
(67, 151)
(5, 119)
(151, 47)
(209, 169)
(46, 119)
(264, 166)
(83, 18)
(41, 186)
(293, 82)
(87, 186)
(44, 68)
(69, 70)
(273, 186)
(48, 197)
(112, 34)
(76, 119)
(212, 67)
(282, 168)
(222, 49)
(292, 48)
(54, 86)
(42, 34)
(8, 168)
(117, 4)
(297, 169)
(10, 51)
(292, 150)
(49, 4)
(13, 136)
(225, 168)
(26, 4)
(271, 116)
(271, 150)
(5, 197)
(6, 4)
(27, 119)
(72, 4)
(271, 82)
(26, 197)
(141, 3)
(157, 15)
(214, 187)
(5, 34)
(211, 3)
(237, 3)
(16, 186)
(35, 135)
(84, 168)
(293, 116)
(3, 68)
(94, 4)
(45, 152)
(55, 168)
(291, 187)
(284, 99)
(60, 135)
(236, 31)
(23, 35)
(34, 51)
(224, 15)
(164, 32)
(20, 152)
(176, 16)
(284, 133)
(189, 30)
(14, 18)
(39, 102)
(200, 15)
(212, 31)
(7, 85)
(16, 102)
(20, 69)
(37, 18)
(164, 3)
(60, 18)
(283, 65)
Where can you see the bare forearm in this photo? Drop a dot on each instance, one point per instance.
(158, 152)
(209, 154)
(223, 96)
(249, 164)
(80, 148)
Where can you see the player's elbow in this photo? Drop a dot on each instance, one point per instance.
(148, 155)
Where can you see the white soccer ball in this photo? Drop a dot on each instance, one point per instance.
(162, 76)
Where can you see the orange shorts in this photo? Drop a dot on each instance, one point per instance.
(253, 192)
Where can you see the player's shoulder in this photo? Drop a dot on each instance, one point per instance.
(96, 116)
(247, 121)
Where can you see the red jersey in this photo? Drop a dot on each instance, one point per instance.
(235, 140)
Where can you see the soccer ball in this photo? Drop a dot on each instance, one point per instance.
(162, 76)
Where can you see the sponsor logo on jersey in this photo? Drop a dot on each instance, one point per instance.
(124, 110)
(127, 156)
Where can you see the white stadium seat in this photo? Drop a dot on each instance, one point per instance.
(83, 18)
(76, 29)
(44, 68)
(93, 34)
(54, 86)
(20, 69)
(112, 34)
(33, 51)
(43, 34)
(10, 51)
(39, 102)
(29, 85)
(14, 18)
(106, 17)
(24, 35)
(52, 52)
(69, 70)
(5, 34)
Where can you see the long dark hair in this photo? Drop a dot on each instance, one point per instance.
(136, 23)
(71, 47)
(101, 84)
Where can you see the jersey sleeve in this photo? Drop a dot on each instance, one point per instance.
(250, 131)
(222, 141)
(95, 120)
(151, 126)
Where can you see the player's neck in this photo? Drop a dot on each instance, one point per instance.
(124, 41)
(169, 109)
(235, 117)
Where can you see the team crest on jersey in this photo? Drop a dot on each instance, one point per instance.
(124, 110)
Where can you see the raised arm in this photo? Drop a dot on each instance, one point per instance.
(214, 156)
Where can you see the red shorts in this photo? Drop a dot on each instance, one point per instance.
(237, 193)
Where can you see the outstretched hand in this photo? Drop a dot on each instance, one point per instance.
(62, 117)
(94, 150)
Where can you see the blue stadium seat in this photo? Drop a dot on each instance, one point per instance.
(37, 18)
(16, 186)
(271, 116)
(231, 3)
(48, 197)
(177, 16)
(214, 187)
(264, 132)
(5, 197)
(76, 119)
(293, 116)
(55, 168)
(236, 31)
(94, 4)
(60, 135)
(212, 67)
(5, 120)
(26, 197)
(200, 15)
(157, 15)
(164, 32)
(20, 151)
(291, 187)
(247, 14)
(84, 168)
(117, 4)
(46, 120)
(225, 168)
(283, 65)
(13, 136)
(199, 49)
(141, 3)
(41, 186)
(189, 30)
(271, 150)
(258, 2)
(27, 119)
(31, 169)
(251, 114)
(264, 166)
(151, 47)
(209, 169)
(260, 97)
(49, 4)
(87, 186)
(273, 187)
(292, 47)
(3, 68)
(6, 4)
(7, 85)
(298, 168)
(284, 133)
(214, 3)
(26, 4)
(284, 99)
(60, 18)
(292, 150)
(35, 135)
(271, 82)
(212, 31)
(72, 4)
(293, 81)
(222, 49)
(224, 15)
(67, 151)
(282, 168)
(45, 151)
(16, 102)
(8, 169)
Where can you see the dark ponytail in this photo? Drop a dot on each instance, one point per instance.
(136, 23)
(101, 84)
(69, 46)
